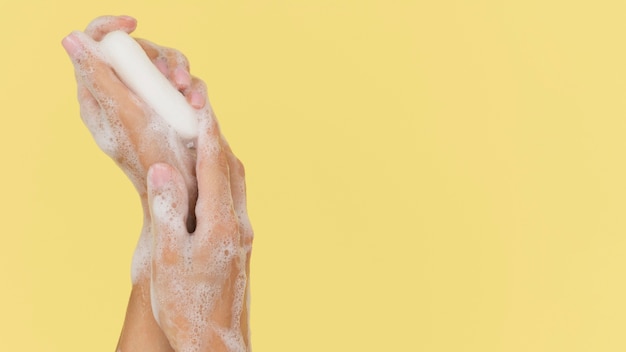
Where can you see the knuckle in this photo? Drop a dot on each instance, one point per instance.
(248, 237)
(199, 85)
(212, 131)
(181, 59)
(222, 161)
(226, 227)
(167, 255)
(241, 170)
(96, 24)
(150, 48)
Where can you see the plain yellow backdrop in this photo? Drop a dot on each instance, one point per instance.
(422, 175)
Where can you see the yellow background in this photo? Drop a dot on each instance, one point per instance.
(423, 175)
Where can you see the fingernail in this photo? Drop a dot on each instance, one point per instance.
(161, 64)
(182, 77)
(72, 45)
(197, 100)
(126, 18)
(159, 175)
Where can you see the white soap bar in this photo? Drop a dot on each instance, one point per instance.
(135, 69)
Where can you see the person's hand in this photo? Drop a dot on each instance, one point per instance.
(130, 133)
(200, 280)
(123, 126)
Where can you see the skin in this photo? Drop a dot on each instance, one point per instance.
(183, 261)
(135, 152)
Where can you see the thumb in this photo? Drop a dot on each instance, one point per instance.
(167, 200)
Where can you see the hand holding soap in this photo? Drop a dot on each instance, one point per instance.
(134, 68)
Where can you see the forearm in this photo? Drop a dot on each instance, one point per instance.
(141, 332)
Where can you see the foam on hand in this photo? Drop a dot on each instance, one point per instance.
(135, 69)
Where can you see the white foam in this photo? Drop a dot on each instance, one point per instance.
(136, 70)
(196, 291)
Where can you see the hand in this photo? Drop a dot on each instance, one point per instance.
(200, 280)
(123, 126)
(117, 119)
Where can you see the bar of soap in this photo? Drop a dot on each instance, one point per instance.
(135, 69)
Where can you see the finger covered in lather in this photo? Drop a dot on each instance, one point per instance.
(237, 176)
(92, 70)
(171, 62)
(167, 196)
(98, 77)
(215, 214)
(196, 94)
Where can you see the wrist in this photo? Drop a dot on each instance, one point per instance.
(140, 331)
(142, 257)
(215, 340)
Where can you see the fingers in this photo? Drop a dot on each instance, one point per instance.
(152, 50)
(91, 70)
(93, 73)
(172, 57)
(238, 193)
(99, 127)
(171, 62)
(167, 199)
(214, 211)
(181, 78)
(196, 94)
(101, 26)
(89, 106)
